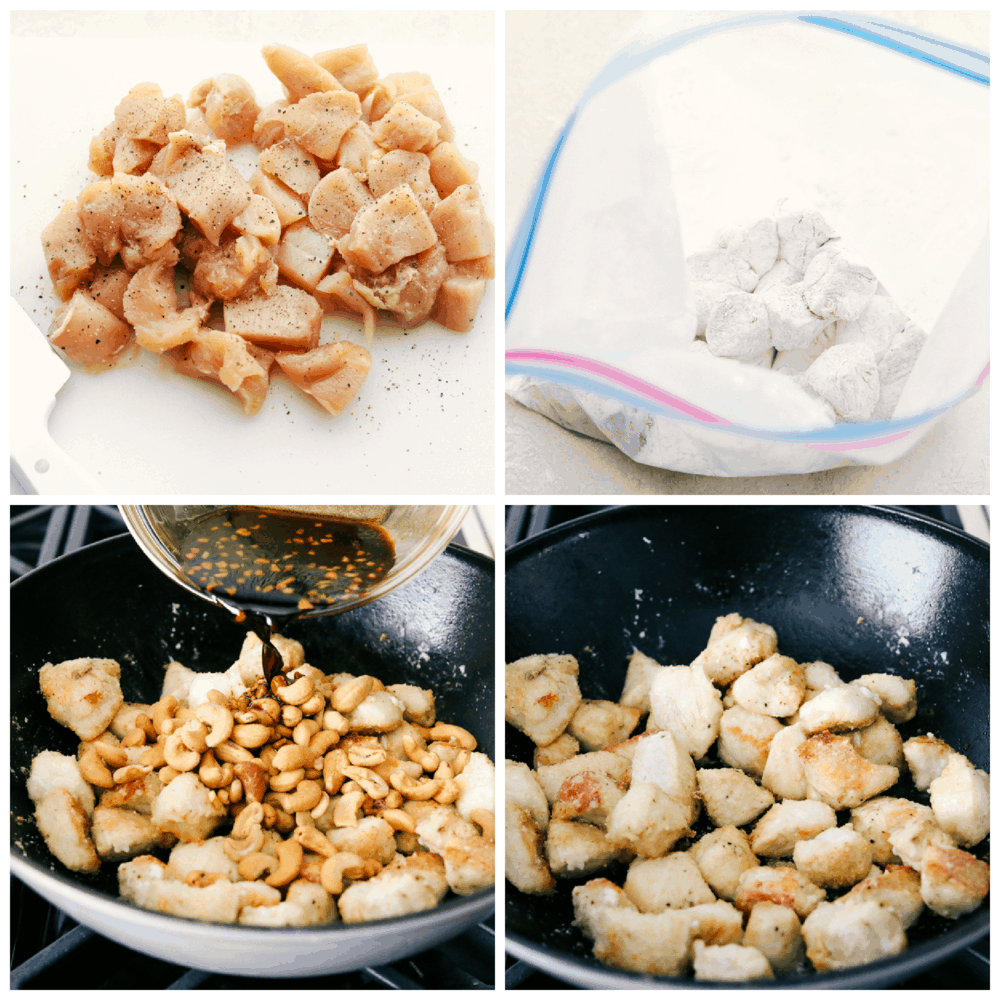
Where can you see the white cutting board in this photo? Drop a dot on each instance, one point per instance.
(424, 420)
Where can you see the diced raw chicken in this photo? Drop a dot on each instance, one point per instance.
(304, 255)
(230, 106)
(102, 151)
(399, 166)
(289, 163)
(299, 73)
(319, 122)
(234, 268)
(133, 156)
(339, 290)
(404, 127)
(394, 227)
(838, 775)
(462, 225)
(335, 201)
(449, 169)
(286, 202)
(269, 127)
(460, 295)
(108, 287)
(332, 375)
(407, 289)
(68, 254)
(259, 219)
(428, 102)
(356, 149)
(352, 66)
(392, 87)
(209, 189)
(197, 124)
(179, 144)
(89, 332)
(242, 367)
(289, 319)
(151, 308)
(144, 113)
(843, 935)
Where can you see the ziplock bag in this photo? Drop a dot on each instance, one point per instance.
(880, 128)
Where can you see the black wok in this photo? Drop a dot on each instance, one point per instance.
(109, 600)
(866, 589)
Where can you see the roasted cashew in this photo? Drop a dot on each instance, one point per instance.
(293, 756)
(112, 755)
(372, 784)
(314, 704)
(399, 820)
(393, 800)
(219, 720)
(428, 760)
(94, 770)
(254, 865)
(461, 759)
(130, 773)
(291, 715)
(216, 697)
(345, 812)
(237, 849)
(135, 738)
(320, 807)
(166, 774)
(307, 796)
(419, 791)
(485, 819)
(336, 722)
(323, 740)
(287, 780)
(232, 753)
(236, 790)
(178, 756)
(193, 734)
(269, 709)
(312, 840)
(154, 756)
(305, 731)
(449, 786)
(248, 818)
(164, 709)
(283, 823)
(336, 868)
(245, 718)
(253, 779)
(184, 714)
(169, 726)
(145, 723)
(333, 770)
(253, 735)
(347, 697)
(453, 734)
(290, 861)
(270, 815)
(222, 794)
(212, 774)
(297, 693)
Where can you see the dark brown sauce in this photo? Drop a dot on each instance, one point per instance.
(272, 566)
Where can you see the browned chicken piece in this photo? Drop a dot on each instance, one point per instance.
(339, 291)
(89, 332)
(228, 360)
(260, 219)
(83, 694)
(926, 757)
(598, 724)
(399, 166)
(735, 644)
(404, 127)
(269, 127)
(331, 374)
(574, 850)
(319, 122)
(449, 169)
(953, 882)
(352, 66)
(898, 887)
(292, 165)
(391, 88)
(303, 256)
(407, 289)
(108, 287)
(234, 268)
(65, 825)
(589, 796)
(877, 818)
(335, 201)
(151, 308)
(286, 202)
(230, 106)
(102, 151)
(133, 156)
(784, 886)
(300, 74)
(209, 189)
(68, 253)
(524, 859)
(462, 225)
(844, 935)
(838, 775)
(290, 319)
(144, 113)
(356, 149)
(392, 228)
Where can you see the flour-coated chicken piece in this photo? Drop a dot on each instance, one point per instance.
(629, 747)
(821, 675)
(834, 859)
(843, 935)
(655, 944)
(897, 694)
(776, 932)
(598, 724)
(521, 788)
(119, 834)
(960, 798)
(589, 797)
(732, 650)
(437, 825)
(187, 809)
(729, 963)
(65, 826)
(953, 882)
(875, 819)
(847, 706)
(673, 882)
(775, 686)
(785, 824)
(648, 821)
(879, 743)
(51, 770)
(469, 864)
(730, 797)
(723, 856)
(551, 776)
(409, 885)
(783, 773)
(177, 680)
(717, 922)
(911, 839)
(248, 667)
(838, 775)
(373, 837)
(785, 886)
(685, 702)
(306, 904)
(380, 712)
(124, 720)
(561, 748)
(926, 756)
(745, 739)
(139, 794)
(525, 865)
(202, 856)
(541, 695)
(83, 694)
(642, 671)
(662, 760)
(898, 887)
(476, 786)
(593, 896)
(578, 849)
(418, 703)
(201, 684)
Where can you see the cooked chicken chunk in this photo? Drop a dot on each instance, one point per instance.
(475, 784)
(745, 738)
(525, 865)
(898, 888)
(373, 838)
(729, 963)
(838, 775)
(119, 834)
(843, 935)
(848, 706)
(723, 856)
(84, 694)
(960, 798)
(598, 724)
(418, 703)
(139, 794)
(648, 821)
(51, 770)
(776, 932)
(542, 695)
(64, 824)
(879, 743)
(775, 686)
(784, 886)
(926, 757)
(783, 772)
(717, 922)
(673, 882)
(594, 896)
(897, 694)
(731, 798)
(469, 865)
(953, 882)
(835, 858)
(411, 885)
(306, 905)
(734, 646)
(662, 760)
(560, 749)
(588, 796)
(202, 856)
(639, 677)
(875, 819)
(686, 703)
(577, 849)
(656, 944)
(551, 776)
(820, 675)
(911, 838)
(187, 808)
(785, 824)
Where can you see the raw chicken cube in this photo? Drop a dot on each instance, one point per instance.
(390, 88)
(953, 882)
(228, 360)
(525, 865)
(729, 963)
(319, 122)
(303, 256)
(108, 287)
(287, 204)
(541, 695)
(843, 935)
(404, 127)
(672, 882)
(785, 824)
(838, 775)
(289, 319)
(236, 267)
(723, 856)
(289, 163)
(834, 859)
(332, 374)
(335, 202)
(408, 288)
(398, 166)
(84, 694)
(776, 932)
(68, 254)
(144, 113)
(598, 724)
(462, 225)
(731, 798)
(229, 104)
(449, 169)
(88, 332)
(300, 74)
(352, 66)
(356, 150)
(458, 301)
(337, 291)
(684, 701)
(269, 127)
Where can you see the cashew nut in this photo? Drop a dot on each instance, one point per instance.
(236, 790)
(135, 738)
(178, 756)
(164, 709)
(347, 697)
(393, 800)
(453, 734)
(287, 780)
(307, 796)
(315, 703)
(253, 735)
(193, 734)
(145, 723)
(112, 755)
(213, 774)
(449, 786)
(253, 779)
(312, 840)
(130, 773)
(94, 770)
(290, 861)
(323, 740)
(336, 722)
(485, 819)
(270, 815)
(269, 709)
(254, 865)
(216, 697)
(166, 774)
(419, 791)
(461, 759)
(321, 807)
(345, 812)
(232, 753)
(154, 756)
(336, 868)
(372, 867)
(428, 760)
(237, 849)
(293, 756)
(305, 731)
(333, 770)
(399, 820)
(291, 715)
(372, 784)
(219, 720)
(297, 693)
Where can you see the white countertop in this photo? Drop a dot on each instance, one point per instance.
(551, 57)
